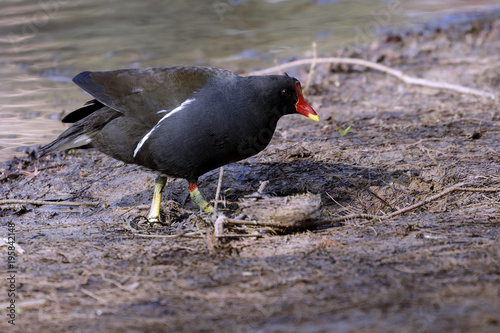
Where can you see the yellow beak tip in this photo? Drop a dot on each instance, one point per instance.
(314, 117)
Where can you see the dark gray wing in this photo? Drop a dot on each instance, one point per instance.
(142, 93)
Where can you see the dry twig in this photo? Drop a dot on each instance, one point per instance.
(94, 296)
(257, 223)
(456, 187)
(219, 185)
(381, 68)
(313, 66)
(197, 235)
(42, 202)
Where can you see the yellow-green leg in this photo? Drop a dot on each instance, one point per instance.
(198, 198)
(154, 212)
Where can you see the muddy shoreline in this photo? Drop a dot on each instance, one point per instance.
(432, 269)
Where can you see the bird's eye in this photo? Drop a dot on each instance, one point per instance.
(285, 92)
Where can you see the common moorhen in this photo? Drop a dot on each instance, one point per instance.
(180, 121)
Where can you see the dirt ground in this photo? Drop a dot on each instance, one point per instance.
(435, 268)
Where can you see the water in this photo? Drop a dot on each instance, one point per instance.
(43, 44)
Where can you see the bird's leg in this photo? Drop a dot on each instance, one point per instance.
(154, 212)
(198, 198)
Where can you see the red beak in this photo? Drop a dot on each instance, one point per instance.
(302, 107)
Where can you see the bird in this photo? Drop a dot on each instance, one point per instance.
(179, 121)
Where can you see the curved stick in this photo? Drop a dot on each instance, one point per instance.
(381, 68)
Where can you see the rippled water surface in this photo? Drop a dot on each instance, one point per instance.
(43, 44)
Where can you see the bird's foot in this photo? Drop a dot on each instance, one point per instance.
(154, 219)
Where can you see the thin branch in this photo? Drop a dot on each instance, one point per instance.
(219, 185)
(257, 223)
(238, 235)
(313, 66)
(352, 217)
(375, 195)
(441, 194)
(41, 202)
(381, 68)
(94, 296)
(482, 190)
(195, 235)
(456, 187)
(117, 284)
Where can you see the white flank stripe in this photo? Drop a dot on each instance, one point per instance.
(83, 137)
(177, 109)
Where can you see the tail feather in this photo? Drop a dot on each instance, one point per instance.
(83, 112)
(89, 121)
(73, 137)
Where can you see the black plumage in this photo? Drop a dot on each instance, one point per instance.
(180, 121)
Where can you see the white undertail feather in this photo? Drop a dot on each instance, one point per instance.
(83, 137)
(177, 109)
(67, 143)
